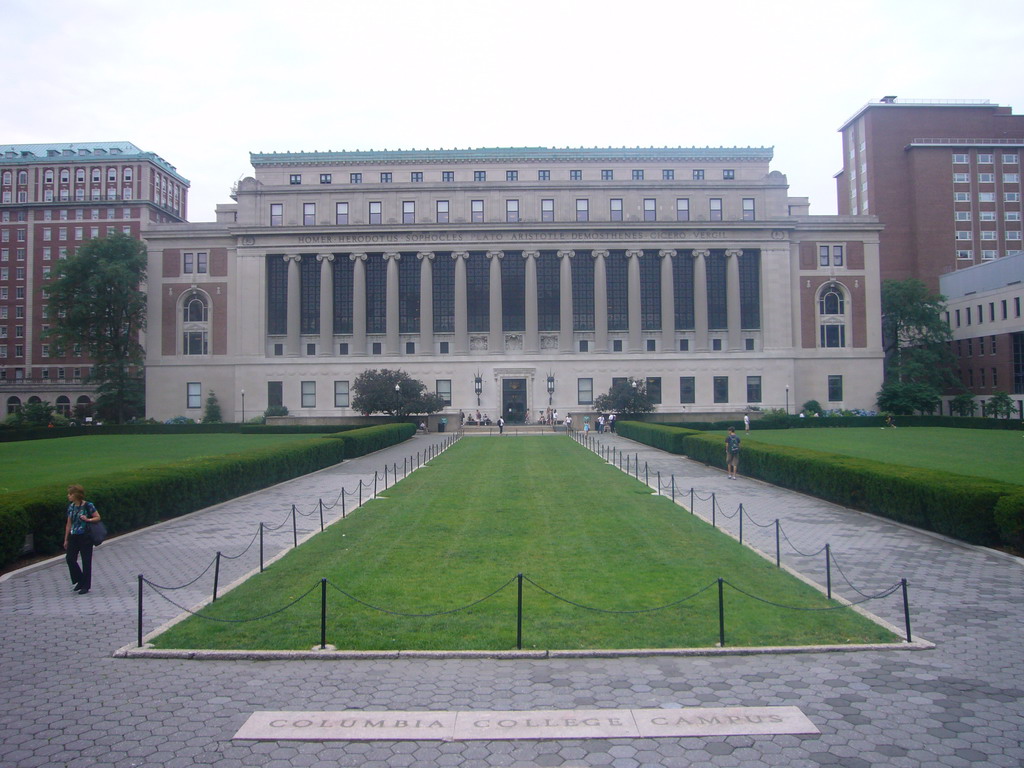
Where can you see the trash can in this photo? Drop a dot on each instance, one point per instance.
(442, 424)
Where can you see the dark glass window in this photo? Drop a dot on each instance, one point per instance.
(753, 389)
(275, 393)
(650, 291)
(607, 175)
(376, 293)
(583, 292)
(513, 291)
(687, 389)
(721, 389)
(654, 389)
(835, 388)
(668, 175)
(444, 293)
(575, 175)
(309, 268)
(478, 297)
(718, 316)
(543, 175)
(682, 278)
(617, 272)
(479, 175)
(548, 293)
(447, 175)
(409, 294)
(343, 273)
(277, 295)
(750, 289)
(638, 175)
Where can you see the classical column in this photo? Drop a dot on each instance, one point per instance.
(426, 345)
(732, 298)
(326, 303)
(391, 309)
(565, 328)
(600, 301)
(700, 300)
(294, 304)
(496, 336)
(633, 290)
(358, 304)
(461, 308)
(668, 302)
(532, 341)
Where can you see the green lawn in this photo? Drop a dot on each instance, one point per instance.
(490, 508)
(991, 453)
(31, 463)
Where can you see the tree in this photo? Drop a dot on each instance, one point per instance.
(915, 339)
(812, 407)
(212, 412)
(963, 404)
(38, 414)
(395, 393)
(1000, 405)
(96, 303)
(627, 397)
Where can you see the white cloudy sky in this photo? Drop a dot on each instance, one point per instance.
(204, 82)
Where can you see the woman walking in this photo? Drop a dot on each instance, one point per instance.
(77, 540)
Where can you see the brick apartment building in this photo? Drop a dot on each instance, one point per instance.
(53, 198)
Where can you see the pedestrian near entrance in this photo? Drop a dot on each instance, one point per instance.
(77, 540)
(501, 426)
(746, 422)
(732, 452)
(611, 423)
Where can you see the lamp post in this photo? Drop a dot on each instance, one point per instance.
(787, 399)
(478, 387)
(551, 386)
(243, 406)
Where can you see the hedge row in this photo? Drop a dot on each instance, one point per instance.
(137, 498)
(959, 506)
(827, 422)
(15, 434)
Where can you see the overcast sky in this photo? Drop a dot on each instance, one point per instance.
(204, 82)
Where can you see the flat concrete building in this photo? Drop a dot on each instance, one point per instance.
(54, 198)
(942, 176)
(512, 281)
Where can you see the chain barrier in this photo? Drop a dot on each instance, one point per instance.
(573, 603)
(420, 615)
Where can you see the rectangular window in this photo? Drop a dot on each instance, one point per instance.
(442, 211)
(188, 263)
(476, 211)
(1009, 159)
(511, 175)
(986, 178)
(575, 175)
(276, 214)
(682, 209)
(721, 389)
(447, 175)
(1011, 178)
(728, 174)
(715, 208)
(443, 387)
(584, 391)
(416, 177)
(965, 253)
(615, 209)
(654, 389)
(584, 345)
(341, 213)
(985, 158)
(650, 209)
(959, 158)
(385, 177)
(668, 175)
(961, 178)
(376, 212)
(986, 197)
(341, 394)
(311, 349)
(687, 389)
(355, 178)
(835, 388)
(193, 395)
(325, 178)
(582, 210)
(547, 209)
(607, 175)
(479, 175)
(308, 394)
(698, 174)
(410, 347)
(963, 234)
(1012, 197)
(308, 214)
(543, 175)
(962, 216)
(961, 197)
(753, 389)
(512, 211)
(748, 209)
(409, 212)
(295, 178)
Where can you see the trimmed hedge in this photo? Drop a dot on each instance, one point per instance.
(12, 435)
(959, 506)
(134, 499)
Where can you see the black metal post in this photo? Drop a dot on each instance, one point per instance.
(721, 613)
(906, 608)
(828, 570)
(778, 551)
(714, 508)
(385, 477)
(519, 615)
(342, 503)
(375, 483)
(321, 505)
(323, 614)
(636, 465)
(673, 488)
(691, 500)
(140, 610)
(360, 492)
(659, 482)
(647, 475)
(216, 576)
(741, 523)
(295, 528)
(261, 547)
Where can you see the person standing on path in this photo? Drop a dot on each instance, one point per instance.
(746, 423)
(77, 540)
(732, 452)
(501, 425)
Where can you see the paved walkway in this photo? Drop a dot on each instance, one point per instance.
(64, 701)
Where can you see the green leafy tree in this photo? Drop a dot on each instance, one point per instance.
(964, 404)
(32, 415)
(812, 407)
(1000, 405)
(96, 302)
(393, 392)
(628, 397)
(211, 414)
(915, 338)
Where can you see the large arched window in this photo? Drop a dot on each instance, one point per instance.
(832, 316)
(195, 323)
(64, 405)
(13, 404)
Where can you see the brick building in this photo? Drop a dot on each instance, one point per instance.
(53, 198)
(943, 177)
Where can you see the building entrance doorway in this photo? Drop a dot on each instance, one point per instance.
(513, 400)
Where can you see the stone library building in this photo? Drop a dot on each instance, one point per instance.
(513, 281)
